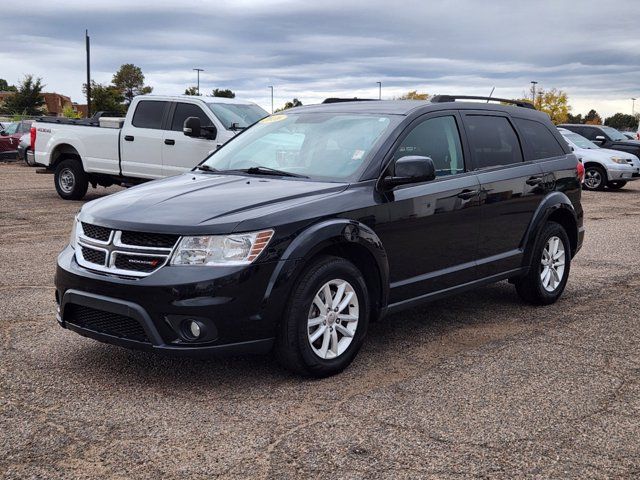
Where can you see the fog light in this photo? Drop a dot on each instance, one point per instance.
(194, 329)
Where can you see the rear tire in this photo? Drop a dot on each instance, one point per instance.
(550, 266)
(315, 339)
(595, 178)
(616, 185)
(70, 179)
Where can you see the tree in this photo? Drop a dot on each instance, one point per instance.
(28, 99)
(69, 112)
(293, 103)
(105, 98)
(414, 95)
(5, 87)
(129, 80)
(226, 93)
(554, 103)
(191, 91)
(575, 118)
(592, 118)
(622, 121)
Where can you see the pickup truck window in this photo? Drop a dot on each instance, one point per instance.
(186, 110)
(493, 141)
(241, 114)
(149, 114)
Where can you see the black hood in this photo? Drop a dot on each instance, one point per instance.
(198, 203)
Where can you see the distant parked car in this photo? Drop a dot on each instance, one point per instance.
(630, 135)
(24, 147)
(10, 137)
(605, 137)
(603, 167)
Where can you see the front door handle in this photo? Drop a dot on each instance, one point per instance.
(534, 181)
(128, 138)
(467, 194)
(169, 141)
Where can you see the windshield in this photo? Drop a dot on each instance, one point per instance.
(10, 129)
(614, 134)
(579, 141)
(325, 146)
(243, 115)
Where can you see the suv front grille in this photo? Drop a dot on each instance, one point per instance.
(105, 322)
(123, 253)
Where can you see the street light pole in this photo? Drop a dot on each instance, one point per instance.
(88, 48)
(379, 90)
(198, 87)
(271, 87)
(533, 90)
(633, 106)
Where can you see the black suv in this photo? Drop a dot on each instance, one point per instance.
(605, 137)
(312, 223)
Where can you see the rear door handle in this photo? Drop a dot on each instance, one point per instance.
(168, 141)
(467, 194)
(128, 138)
(534, 181)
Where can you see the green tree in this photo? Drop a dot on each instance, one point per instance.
(226, 93)
(554, 103)
(105, 98)
(593, 118)
(575, 118)
(28, 99)
(293, 103)
(129, 80)
(622, 121)
(191, 91)
(5, 87)
(69, 112)
(414, 95)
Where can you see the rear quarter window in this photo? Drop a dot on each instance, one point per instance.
(149, 114)
(541, 142)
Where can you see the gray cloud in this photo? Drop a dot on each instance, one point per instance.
(329, 48)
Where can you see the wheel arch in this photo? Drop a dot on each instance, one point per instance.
(62, 151)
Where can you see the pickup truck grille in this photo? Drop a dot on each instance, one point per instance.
(123, 253)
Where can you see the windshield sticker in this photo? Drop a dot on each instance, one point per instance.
(357, 155)
(273, 118)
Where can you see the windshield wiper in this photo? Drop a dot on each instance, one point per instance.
(206, 168)
(260, 170)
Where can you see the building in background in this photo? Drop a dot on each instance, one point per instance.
(55, 103)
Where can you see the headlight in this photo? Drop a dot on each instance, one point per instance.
(235, 249)
(621, 161)
(72, 237)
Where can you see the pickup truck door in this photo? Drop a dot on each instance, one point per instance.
(179, 152)
(141, 139)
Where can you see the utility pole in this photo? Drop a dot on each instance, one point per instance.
(533, 91)
(198, 87)
(379, 90)
(271, 87)
(633, 106)
(88, 47)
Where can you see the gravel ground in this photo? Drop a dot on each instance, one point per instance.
(479, 385)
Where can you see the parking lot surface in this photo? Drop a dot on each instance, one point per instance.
(478, 385)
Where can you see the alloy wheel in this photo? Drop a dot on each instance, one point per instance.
(552, 264)
(333, 319)
(592, 179)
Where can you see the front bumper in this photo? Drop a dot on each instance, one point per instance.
(238, 307)
(624, 173)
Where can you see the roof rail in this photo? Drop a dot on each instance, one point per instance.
(453, 98)
(354, 99)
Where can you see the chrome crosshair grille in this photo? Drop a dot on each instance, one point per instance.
(125, 253)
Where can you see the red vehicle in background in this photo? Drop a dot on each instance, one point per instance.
(10, 137)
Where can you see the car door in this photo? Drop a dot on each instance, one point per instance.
(431, 231)
(512, 189)
(180, 152)
(141, 141)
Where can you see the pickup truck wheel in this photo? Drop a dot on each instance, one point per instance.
(326, 320)
(595, 178)
(550, 265)
(616, 185)
(71, 180)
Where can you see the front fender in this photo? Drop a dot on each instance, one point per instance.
(318, 237)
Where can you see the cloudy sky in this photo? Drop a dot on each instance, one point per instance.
(313, 50)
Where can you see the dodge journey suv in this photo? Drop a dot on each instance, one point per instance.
(312, 223)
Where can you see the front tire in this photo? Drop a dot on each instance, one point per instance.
(595, 178)
(616, 185)
(550, 266)
(326, 319)
(70, 179)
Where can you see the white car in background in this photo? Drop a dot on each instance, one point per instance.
(603, 167)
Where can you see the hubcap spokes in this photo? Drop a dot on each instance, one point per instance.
(592, 179)
(333, 319)
(552, 264)
(67, 180)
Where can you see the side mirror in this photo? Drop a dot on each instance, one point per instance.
(411, 169)
(599, 139)
(191, 127)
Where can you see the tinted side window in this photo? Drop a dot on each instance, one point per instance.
(186, 110)
(542, 142)
(148, 114)
(439, 139)
(493, 141)
(590, 133)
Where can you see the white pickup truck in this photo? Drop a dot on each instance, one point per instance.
(150, 142)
